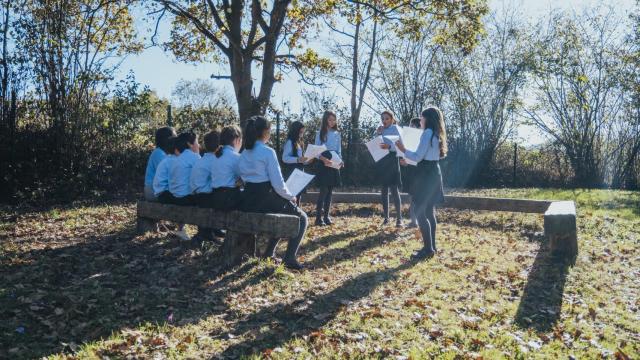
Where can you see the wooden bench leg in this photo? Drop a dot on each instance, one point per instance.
(561, 230)
(146, 224)
(236, 246)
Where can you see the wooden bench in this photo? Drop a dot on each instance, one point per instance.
(242, 228)
(559, 216)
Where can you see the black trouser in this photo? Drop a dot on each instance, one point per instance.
(396, 201)
(294, 243)
(324, 201)
(426, 214)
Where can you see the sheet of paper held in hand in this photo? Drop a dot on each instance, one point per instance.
(376, 152)
(411, 141)
(297, 181)
(336, 161)
(313, 151)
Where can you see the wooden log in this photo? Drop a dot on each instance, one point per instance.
(144, 225)
(451, 201)
(561, 230)
(274, 225)
(237, 246)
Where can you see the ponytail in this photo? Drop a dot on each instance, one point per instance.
(228, 135)
(253, 130)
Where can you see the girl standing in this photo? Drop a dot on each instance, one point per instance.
(408, 177)
(426, 190)
(327, 177)
(388, 168)
(293, 150)
(265, 190)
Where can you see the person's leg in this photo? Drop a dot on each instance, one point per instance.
(431, 216)
(425, 231)
(319, 203)
(412, 213)
(290, 258)
(327, 205)
(385, 203)
(270, 251)
(397, 202)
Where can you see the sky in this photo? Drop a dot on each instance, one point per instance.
(161, 71)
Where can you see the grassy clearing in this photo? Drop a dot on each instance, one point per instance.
(75, 282)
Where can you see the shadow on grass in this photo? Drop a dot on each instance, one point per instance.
(285, 321)
(541, 303)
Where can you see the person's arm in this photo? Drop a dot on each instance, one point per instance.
(287, 158)
(160, 180)
(275, 177)
(420, 153)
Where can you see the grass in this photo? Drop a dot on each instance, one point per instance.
(75, 282)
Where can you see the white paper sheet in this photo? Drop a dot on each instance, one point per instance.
(336, 161)
(376, 152)
(313, 151)
(411, 141)
(297, 181)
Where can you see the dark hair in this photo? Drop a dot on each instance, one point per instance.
(294, 136)
(162, 135)
(435, 121)
(170, 145)
(212, 141)
(415, 122)
(253, 130)
(184, 139)
(228, 135)
(324, 128)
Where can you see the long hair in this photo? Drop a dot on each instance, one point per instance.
(324, 128)
(434, 120)
(228, 135)
(390, 113)
(184, 140)
(162, 136)
(212, 141)
(253, 130)
(294, 136)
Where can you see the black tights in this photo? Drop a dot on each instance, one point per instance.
(324, 201)
(294, 242)
(396, 201)
(426, 215)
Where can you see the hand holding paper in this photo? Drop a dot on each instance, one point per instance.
(374, 148)
(336, 161)
(297, 181)
(313, 151)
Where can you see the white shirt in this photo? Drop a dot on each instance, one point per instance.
(201, 174)
(224, 170)
(180, 173)
(259, 165)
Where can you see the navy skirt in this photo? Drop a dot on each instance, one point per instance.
(427, 185)
(388, 170)
(327, 176)
(262, 198)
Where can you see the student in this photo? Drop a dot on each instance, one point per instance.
(200, 182)
(427, 189)
(264, 187)
(225, 178)
(388, 168)
(327, 177)
(293, 150)
(161, 181)
(409, 174)
(162, 149)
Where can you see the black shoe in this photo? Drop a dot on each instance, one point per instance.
(423, 254)
(219, 233)
(319, 222)
(327, 220)
(293, 265)
(399, 223)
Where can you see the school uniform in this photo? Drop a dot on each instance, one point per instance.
(328, 176)
(291, 163)
(200, 180)
(389, 176)
(266, 192)
(180, 178)
(224, 175)
(156, 156)
(427, 190)
(161, 178)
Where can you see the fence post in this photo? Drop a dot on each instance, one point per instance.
(515, 162)
(169, 117)
(278, 132)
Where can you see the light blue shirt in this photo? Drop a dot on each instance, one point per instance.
(392, 130)
(201, 174)
(259, 165)
(224, 169)
(333, 143)
(161, 179)
(287, 158)
(180, 173)
(152, 164)
(428, 149)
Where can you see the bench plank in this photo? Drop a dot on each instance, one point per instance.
(454, 202)
(273, 225)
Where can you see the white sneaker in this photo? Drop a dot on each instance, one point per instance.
(182, 235)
